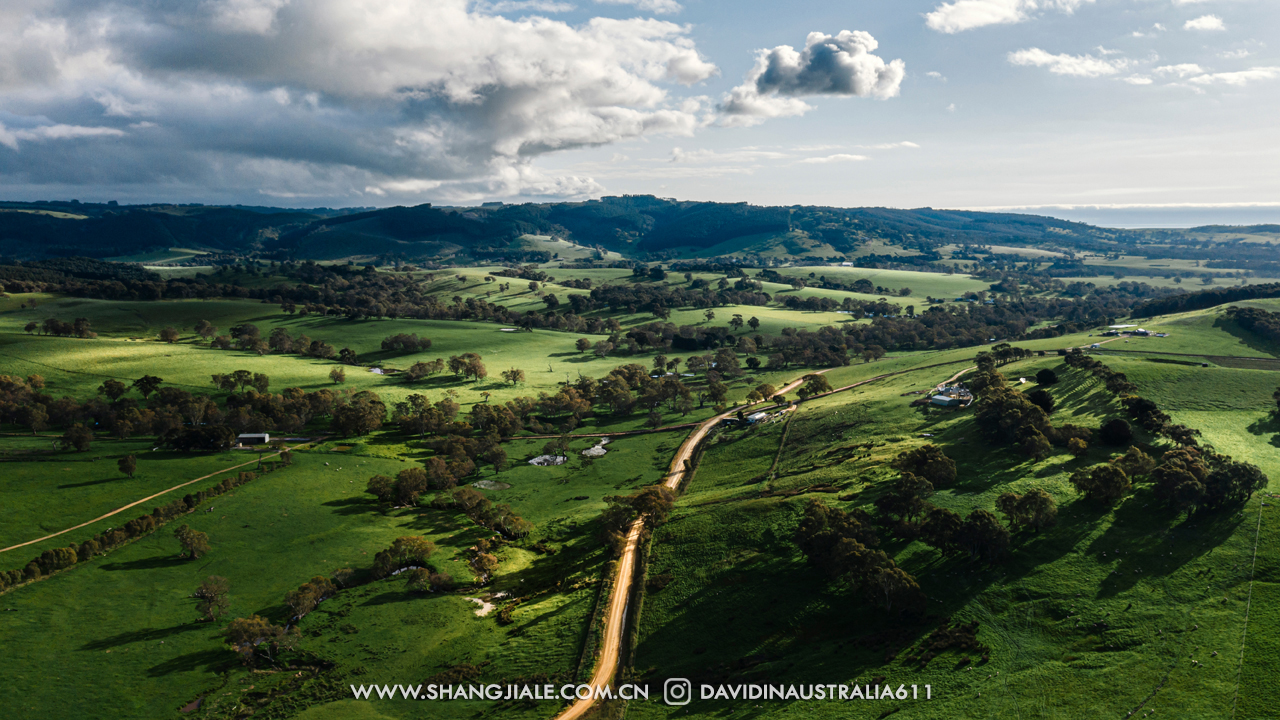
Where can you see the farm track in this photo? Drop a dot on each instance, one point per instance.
(135, 503)
(616, 614)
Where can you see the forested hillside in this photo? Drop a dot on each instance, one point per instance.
(637, 226)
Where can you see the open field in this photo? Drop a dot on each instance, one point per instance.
(45, 494)
(561, 249)
(174, 254)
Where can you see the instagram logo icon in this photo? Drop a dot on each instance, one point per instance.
(677, 691)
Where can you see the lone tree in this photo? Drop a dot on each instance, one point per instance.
(128, 465)
(205, 329)
(1135, 463)
(113, 389)
(1042, 400)
(1106, 483)
(255, 635)
(1036, 510)
(338, 376)
(814, 384)
(940, 529)
(309, 594)
(982, 536)
(170, 335)
(404, 552)
(1046, 377)
(906, 499)
(583, 345)
(194, 543)
(211, 597)
(1116, 432)
(77, 437)
(513, 376)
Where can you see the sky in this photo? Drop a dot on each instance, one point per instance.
(1119, 112)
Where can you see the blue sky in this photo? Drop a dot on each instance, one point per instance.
(1133, 112)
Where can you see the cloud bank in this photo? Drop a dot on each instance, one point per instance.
(841, 65)
(327, 98)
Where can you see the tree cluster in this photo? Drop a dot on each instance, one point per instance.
(843, 546)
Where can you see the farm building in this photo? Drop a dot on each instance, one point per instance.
(757, 417)
(253, 439)
(954, 396)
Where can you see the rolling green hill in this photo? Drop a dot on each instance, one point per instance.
(636, 226)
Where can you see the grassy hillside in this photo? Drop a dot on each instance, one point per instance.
(744, 606)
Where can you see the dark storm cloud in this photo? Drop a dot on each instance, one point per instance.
(326, 98)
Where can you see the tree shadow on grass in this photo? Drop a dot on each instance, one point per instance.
(145, 635)
(391, 597)
(1143, 542)
(151, 563)
(1268, 424)
(543, 617)
(88, 483)
(1246, 338)
(208, 660)
(353, 505)
(440, 522)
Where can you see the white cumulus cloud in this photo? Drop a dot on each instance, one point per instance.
(1205, 22)
(841, 65)
(961, 15)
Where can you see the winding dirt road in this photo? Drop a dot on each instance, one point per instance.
(616, 615)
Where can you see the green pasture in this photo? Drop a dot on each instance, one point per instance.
(562, 249)
(147, 657)
(744, 606)
(174, 254)
(922, 284)
(43, 492)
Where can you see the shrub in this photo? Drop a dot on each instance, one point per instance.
(1116, 432)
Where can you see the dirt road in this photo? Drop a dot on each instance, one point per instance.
(135, 503)
(616, 615)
